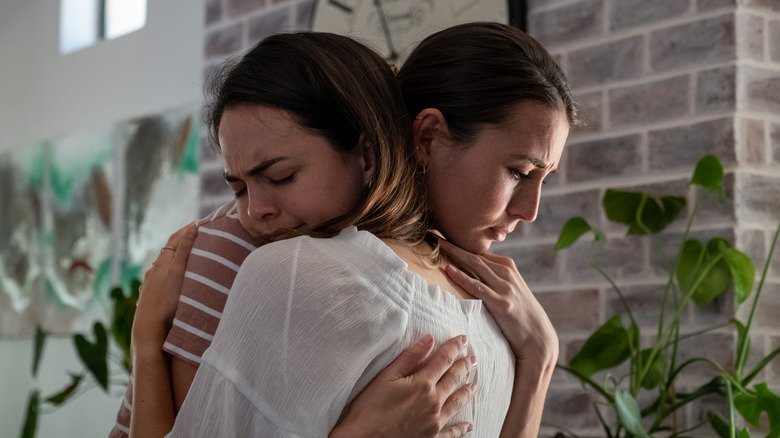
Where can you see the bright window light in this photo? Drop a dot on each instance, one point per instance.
(78, 24)
(85, 22)
(124, 16)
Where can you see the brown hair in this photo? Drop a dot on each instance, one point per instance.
(343, 91)
(476, 74)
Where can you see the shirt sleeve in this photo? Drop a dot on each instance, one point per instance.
(307, 323)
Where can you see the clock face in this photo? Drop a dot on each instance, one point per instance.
(394, 27)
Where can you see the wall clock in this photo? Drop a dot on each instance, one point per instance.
(393, 27)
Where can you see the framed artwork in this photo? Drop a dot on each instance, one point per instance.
(393, 27)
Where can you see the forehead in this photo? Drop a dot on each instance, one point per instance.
(252, 133)
(532, 131)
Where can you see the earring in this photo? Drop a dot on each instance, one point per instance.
(423, 166)
(370, 181)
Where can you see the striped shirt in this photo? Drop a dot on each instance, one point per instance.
(220, 248)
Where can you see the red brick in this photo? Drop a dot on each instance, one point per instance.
(715, 346)
(716, 90)
(774, 40)
(270, 23)
(703, 42)
(774, 344)
(630, 13)
(774, 135)
(752, 146)
(606, 63)
(224, 41)
(750, 44)
(554, 211)
(572, 408)
(605, 158)
(759, 198)
(642, 104)
(591, 111)
(644, 301)
(535, 263)
(711, 211)
(708, 5)
(572, 311)
(213, 11)
(766, 5)
(684, 146)
(763, 89)
(567, 23)
(237, 8)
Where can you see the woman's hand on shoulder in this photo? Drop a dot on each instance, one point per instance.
(502, 289)
(415, 396)
(160, 290)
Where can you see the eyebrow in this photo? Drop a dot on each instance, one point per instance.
(257, 169)
(533, 160)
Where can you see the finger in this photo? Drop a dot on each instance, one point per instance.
(442, 359)
(473, 286)
(456, 431)
(477, 262)
(184, 247)
(409, 360)
(454, 377)
(457, 401)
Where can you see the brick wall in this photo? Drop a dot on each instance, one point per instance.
(663, 83)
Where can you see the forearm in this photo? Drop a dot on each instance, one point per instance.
(153, 412)
(532, 379)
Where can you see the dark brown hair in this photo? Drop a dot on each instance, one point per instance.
(476, 74)
(343, 91)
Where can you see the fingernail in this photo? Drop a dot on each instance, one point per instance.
(470, 428)
(426, 341)
(450, 269)
(464, 340)
(473, 360)
(192, 231)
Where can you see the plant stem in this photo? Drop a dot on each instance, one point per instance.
(758, 293)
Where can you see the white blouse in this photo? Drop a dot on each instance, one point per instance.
(310, 322)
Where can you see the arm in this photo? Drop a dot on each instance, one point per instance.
(153, 408)
(526, 327)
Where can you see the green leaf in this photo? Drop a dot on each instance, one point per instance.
(750, 406)
(742, 337)
(708, 173)
(40, 339)
(706, 265)
(95, 355)
(745, 434)
(31, 418)
(628, 413)
(655, 376)
(571, 232)
(719, 425)
(60, 397)
(742, 271)
(605, 348)
(643, 213)
(122, 320)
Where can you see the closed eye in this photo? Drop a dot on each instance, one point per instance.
(283, 181)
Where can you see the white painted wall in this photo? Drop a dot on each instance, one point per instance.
(44, 95)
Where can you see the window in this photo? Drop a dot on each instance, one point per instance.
(85, 22)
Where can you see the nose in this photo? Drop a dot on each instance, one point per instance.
(261, 206)
(524, 204)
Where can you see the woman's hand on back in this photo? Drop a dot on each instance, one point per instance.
(160, 290)
(415, 396)
(502, 289)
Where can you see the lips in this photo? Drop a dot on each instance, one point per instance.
(499, 234)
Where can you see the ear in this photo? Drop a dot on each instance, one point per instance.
(367, 158)
(429, 130)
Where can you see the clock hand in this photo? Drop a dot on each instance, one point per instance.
(341, 6)
(386, 30)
